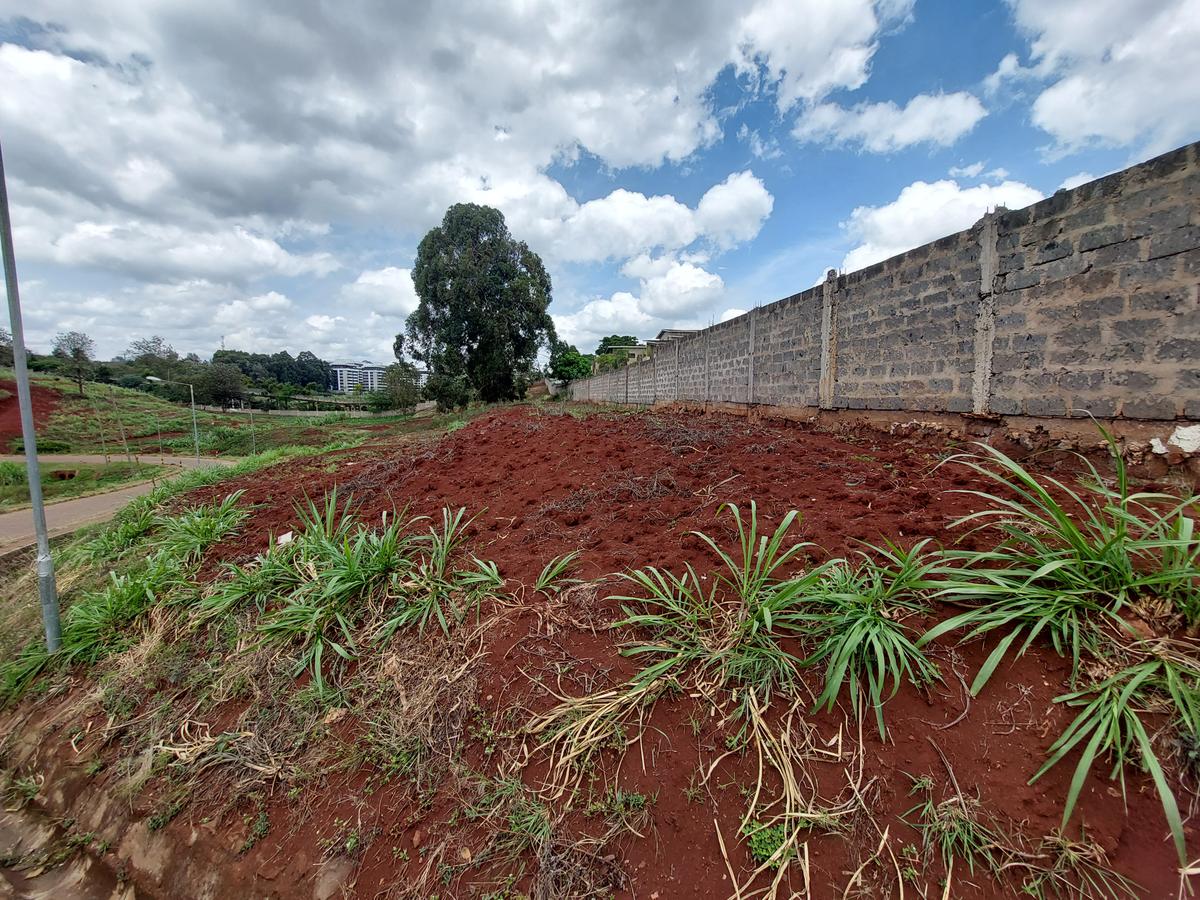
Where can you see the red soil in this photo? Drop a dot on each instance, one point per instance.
(44, 402)
(628, 490)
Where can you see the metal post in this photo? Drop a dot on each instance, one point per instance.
(195, 430)
(253, 439)
(47, 588)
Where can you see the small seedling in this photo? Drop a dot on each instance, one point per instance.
(767, 843)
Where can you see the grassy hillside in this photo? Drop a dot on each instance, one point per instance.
(107, 417)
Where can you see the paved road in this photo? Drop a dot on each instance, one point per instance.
(65, 516)
(149, 459)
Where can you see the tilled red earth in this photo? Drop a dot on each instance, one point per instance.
(627, 490)
(44, 402)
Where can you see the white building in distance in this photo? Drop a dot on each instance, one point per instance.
(348, 377)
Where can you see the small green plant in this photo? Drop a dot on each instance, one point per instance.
(861, 639)
(260, 826)
(23, 789)
(1109, 725)
(527, 826)
(186, 536)
(1076, 869)
(768, 843)
(553, 577)
(957, 828)
(435, 591)
(1068, 558)
(342, 567)
(12, 474)
(729, 632)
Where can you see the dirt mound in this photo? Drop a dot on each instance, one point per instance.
(662, 820)
(45, 400)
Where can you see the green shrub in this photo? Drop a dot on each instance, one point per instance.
(12, 474)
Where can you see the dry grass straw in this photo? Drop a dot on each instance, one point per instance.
(417, 697)
(578, 729)
(197, 748)
(784, 753)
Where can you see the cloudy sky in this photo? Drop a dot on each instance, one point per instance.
(261, 173)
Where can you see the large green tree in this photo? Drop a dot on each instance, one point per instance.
(567, 363)
(76, 353)
(607, 344)
(482, 313)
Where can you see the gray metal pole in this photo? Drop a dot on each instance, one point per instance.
(47, 588)
(253, 437)
(195, 430)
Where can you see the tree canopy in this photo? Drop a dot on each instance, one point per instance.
(482, 314)
(302, 371)
(567, 363)
(607, 344)
(76, 352)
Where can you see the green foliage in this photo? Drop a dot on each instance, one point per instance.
(12, 474)
(482, 314)
(449, 391)
(858, 627)
(342, 566)
(75, 352)
(553, 577)
(768, 843)
(219, 383)
(731, 631)
(102, 621)
(957, 827)
(567, 363)
(185, 537)
(268, 575)
(1077, 870)
(1109, 724)
(1068, 558)
(434, 591)
(608, 344)
(98, 624)
(401, 389)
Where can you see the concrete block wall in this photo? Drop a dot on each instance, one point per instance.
(906, 329)
(693, 364)
(787, 350)
(1097, 303)
(729, 361)
(1087, 302)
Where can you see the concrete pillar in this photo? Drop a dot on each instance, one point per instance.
(627, 383)
(750, 360)
(677, 370)
(985, 314)
(828, 341)
(707, 373)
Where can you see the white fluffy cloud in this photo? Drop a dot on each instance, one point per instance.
(672, 293)
(734, 210)
(388, 291)
(884, 127)
(811, 48)
(1115, 72)
(924, 212)
(971, 171)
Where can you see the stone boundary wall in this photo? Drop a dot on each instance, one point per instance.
(1084, 303)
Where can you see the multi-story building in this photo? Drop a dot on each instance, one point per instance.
(348, 377)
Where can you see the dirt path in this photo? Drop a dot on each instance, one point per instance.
(16, 528)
